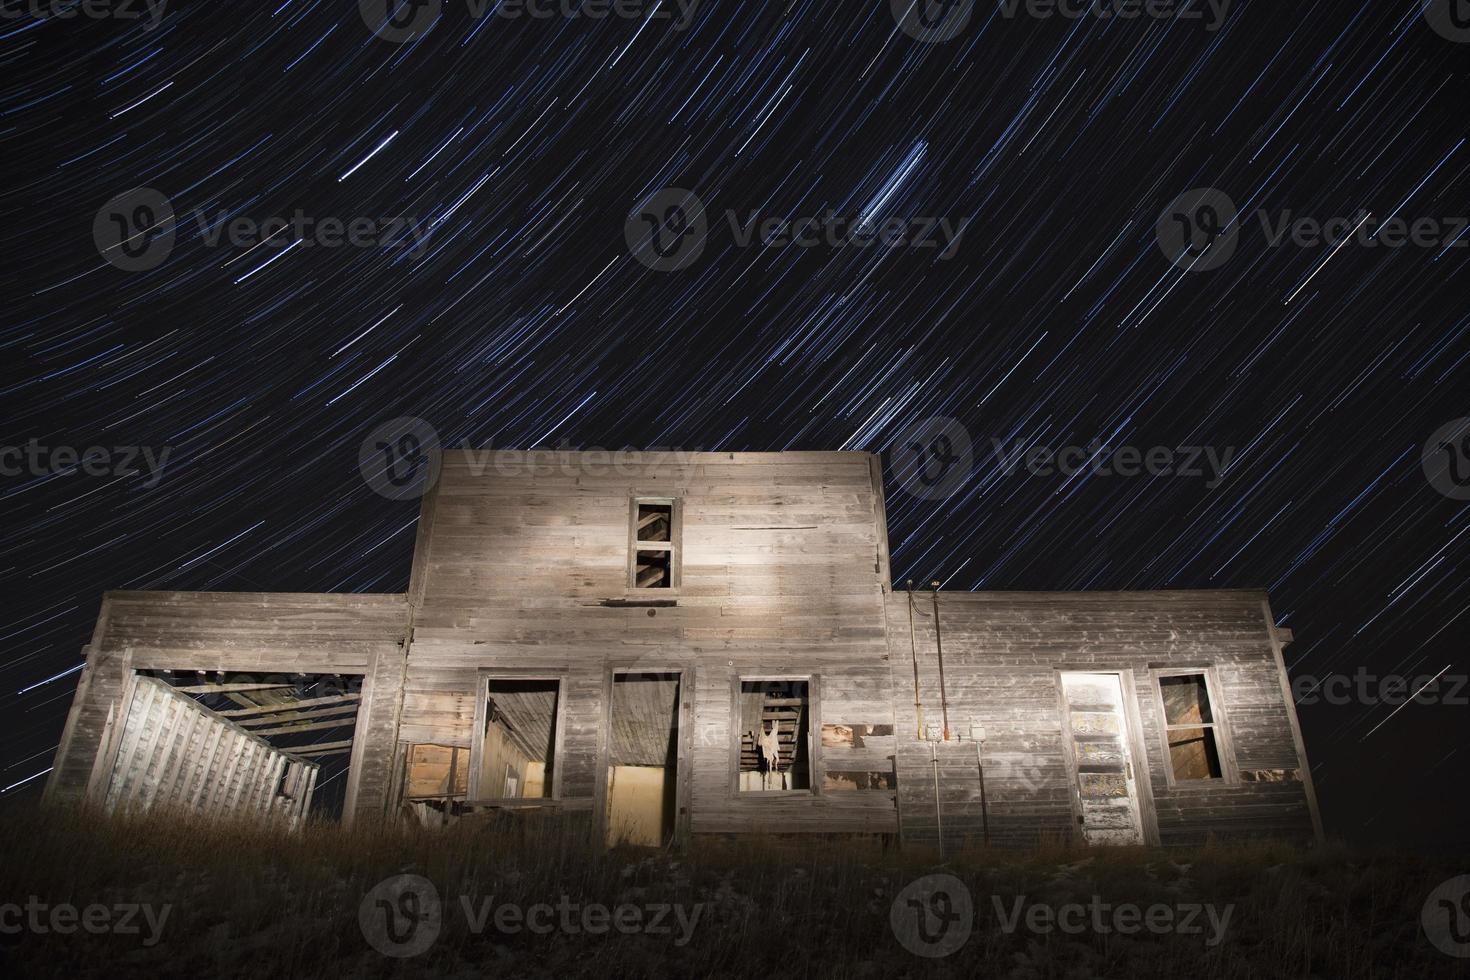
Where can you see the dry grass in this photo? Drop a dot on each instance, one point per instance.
(250, 902)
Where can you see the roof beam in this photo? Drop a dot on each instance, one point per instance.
(292, 705)
(280, 718)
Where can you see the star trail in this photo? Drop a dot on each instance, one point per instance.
(243, 236)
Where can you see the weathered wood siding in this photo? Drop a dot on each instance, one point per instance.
(1002, 653)
(782, 564)
(246, 633)
(167, 751)
(521, 569)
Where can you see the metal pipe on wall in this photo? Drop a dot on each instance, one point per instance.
(939, 651)
(914, 654)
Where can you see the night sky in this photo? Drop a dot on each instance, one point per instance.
(499, 167)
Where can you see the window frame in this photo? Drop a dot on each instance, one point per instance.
(477, 737)
(674, 546)
(1220, 726)
(814, 743)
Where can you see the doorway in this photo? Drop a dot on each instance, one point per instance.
(643, 758)
(1098, 744)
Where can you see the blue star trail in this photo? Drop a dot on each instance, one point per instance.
(490, 165)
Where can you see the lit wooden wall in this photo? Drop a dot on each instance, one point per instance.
(1002, 652)
(358, 636)
(522, 566)
(166, 751)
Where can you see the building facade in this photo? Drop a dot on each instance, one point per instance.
(672, 644)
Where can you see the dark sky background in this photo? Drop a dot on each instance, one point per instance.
(520, 147)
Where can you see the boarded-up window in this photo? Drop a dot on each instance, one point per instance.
(517, 757)
(775, 735)
(654, 559)
(1189, 718)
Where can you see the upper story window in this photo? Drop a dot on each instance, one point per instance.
(654, 540)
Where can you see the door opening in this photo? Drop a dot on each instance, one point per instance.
(1095, 727)
(643, 759)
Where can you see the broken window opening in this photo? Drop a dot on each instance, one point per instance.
(655, 541)
(774, 736)
(1191, 728)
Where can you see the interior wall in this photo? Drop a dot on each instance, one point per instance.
(498, 752)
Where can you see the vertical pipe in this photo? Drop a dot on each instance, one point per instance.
(938, 809)
(984, 807)
(939, 650)
(914, 654)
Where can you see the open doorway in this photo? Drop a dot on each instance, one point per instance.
(643, 759)
(1099, 752)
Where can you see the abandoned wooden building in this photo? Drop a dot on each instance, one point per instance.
(664, 645)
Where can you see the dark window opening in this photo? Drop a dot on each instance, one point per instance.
(654, 544)
(1194, 749)
(654, 570)
(775, 736)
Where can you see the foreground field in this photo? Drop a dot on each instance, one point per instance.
(83, 898)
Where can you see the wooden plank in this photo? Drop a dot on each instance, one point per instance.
(301, 716)
(323, 748)
(231, 688)
(290, 706)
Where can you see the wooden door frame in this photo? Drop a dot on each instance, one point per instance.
(1148, 818)
(683, 775)
(483, 677)
(813, 681)
(1220, 726)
